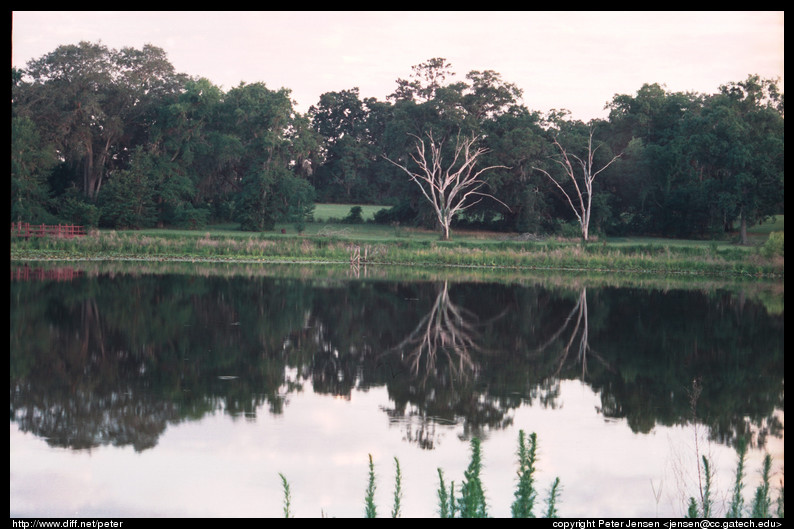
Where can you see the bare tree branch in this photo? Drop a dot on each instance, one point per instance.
(584, 195)
(450, 188)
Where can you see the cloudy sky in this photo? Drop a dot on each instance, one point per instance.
(572, 60)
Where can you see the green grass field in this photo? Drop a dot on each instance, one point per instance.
(324, 212)
(765, 228)
(327, 217)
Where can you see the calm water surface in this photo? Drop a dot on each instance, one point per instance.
(185, 395)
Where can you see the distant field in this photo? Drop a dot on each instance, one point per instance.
(323, 212)
(766, 228)
(323, 225)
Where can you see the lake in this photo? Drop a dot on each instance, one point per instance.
(190, 391)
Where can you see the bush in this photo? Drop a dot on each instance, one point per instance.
(773, 245)
(354, 217)
(402, 213)
(188, 216)
(568, 230)
(74, 208)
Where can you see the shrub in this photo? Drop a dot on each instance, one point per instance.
(773, 245)
(74, 208)
(354, 217)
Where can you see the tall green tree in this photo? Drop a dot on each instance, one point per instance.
(94, 104)
(651, 189)
(263, 122)
(426, 80)
(129, 197)
(736, 145)
(194, 155)
(429, 102)
(341, 119)
(516, 142)
(31, 162)
(488, 96)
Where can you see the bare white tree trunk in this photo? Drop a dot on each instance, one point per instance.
(584, 191)
(450, 189)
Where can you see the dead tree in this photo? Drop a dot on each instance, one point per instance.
(451, 188)
(584, 190)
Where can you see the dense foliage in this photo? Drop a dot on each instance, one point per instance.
(118, 138)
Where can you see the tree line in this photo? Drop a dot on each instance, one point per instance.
(118, 138)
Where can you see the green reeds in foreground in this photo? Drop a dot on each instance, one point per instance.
(287, 497)
(370, 510)
(762, 503)
(737, 500)
(398, 493)
(472, 504)
(551, 502)
(761, 506)
(446, 500)
(471, 499)
(705, 495)
(472, 495)
(525, 493)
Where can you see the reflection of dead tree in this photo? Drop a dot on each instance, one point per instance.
(356, 260)
(579, 315)
(447, 333)
(420, 429)
(424, 436)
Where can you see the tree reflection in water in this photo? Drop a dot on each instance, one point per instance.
(578, 314)
(445, 338)
(443, 357)
(114, 360)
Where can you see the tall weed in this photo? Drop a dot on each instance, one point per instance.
(370, 511)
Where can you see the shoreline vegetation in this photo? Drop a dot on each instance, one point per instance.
(331, 252)
(363, 246)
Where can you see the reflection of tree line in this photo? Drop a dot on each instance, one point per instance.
(114, 361)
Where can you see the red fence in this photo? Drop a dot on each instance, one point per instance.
(64, 231)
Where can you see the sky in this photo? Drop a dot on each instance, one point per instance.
(560, 60)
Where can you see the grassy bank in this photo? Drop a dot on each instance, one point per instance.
(378, 245)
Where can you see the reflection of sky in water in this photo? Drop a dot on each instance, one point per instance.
(224, 467)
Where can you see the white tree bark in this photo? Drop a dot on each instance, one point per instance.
(584, 190)
(450, 189)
